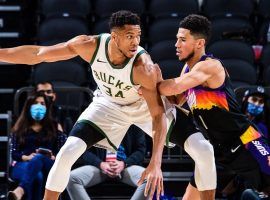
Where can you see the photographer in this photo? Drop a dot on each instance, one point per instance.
(35, 142)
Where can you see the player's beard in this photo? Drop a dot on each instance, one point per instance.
(121, 51)
(188, 57)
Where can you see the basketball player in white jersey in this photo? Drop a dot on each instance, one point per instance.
(119, 66)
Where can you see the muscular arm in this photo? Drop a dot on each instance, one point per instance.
(209, 72)
(33, 54)
(146, 75)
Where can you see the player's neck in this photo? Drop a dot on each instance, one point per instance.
(195, 58)
(115, 55)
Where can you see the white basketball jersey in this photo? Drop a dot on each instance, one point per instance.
(115, 82)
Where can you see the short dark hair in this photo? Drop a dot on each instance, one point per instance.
(123, 17)
(43, 83)
(198, 25)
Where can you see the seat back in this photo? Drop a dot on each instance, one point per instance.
(232, 28)
(232, 49)
(174, 8)
(163, 50)
(265, 56)
(62, 71)
(163, 29)
(104, 8)
(264, 8)
(228, 8)
(61, 29)
(51, 8)
(241, 72)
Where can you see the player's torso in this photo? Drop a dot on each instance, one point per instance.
(217, 111)
(115, 82)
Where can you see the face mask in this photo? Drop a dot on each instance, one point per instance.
(254, 110)
(38, 111)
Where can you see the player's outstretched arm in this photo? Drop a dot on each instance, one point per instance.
(146, 75)
(33, 54)
(209, 72)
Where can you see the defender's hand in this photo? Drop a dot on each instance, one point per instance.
(153, 175)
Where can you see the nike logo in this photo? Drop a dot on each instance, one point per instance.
(235, 149)
(101, 61)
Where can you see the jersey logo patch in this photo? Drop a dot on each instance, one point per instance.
(233, 150)
(98, 60)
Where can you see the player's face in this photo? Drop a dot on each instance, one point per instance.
(128, 39)
(185, 45)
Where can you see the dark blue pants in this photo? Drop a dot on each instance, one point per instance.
(31, 175)
(249, 194)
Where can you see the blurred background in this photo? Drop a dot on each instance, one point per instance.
(240, 38)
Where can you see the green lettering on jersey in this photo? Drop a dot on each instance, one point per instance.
(96, 74)
(119, 84)
(127, 88)
(119, 94)
(111, 78)
(103, 76)
(108, 91)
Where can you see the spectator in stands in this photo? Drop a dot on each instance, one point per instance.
(238, 189)
(35, 141)
(100, 165)
(47, 89)
(254, 106)
(250, 194)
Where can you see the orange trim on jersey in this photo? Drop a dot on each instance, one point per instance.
(209, 99)
(249, 135)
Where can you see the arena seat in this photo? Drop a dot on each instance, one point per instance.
(61, 29)
(241, 72)
(163, 29)
(175, 8)
(232, 49)
(104, 8)
(80, 8)
(228, 8)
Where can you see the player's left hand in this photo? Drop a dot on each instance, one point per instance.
(153, 175)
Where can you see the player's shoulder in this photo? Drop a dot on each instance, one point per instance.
(210, 64)
(142, 57)
(83, 40)
(144, 71)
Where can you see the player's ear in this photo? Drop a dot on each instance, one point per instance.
(113, 35)
(200, 43)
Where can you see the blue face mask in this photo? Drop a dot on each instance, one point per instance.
(254, 110)
(38, 111)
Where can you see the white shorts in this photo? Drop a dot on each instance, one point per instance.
(113, 120)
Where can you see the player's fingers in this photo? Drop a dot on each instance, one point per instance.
(158, 189)
(162, 187)
(147, 187)
(142, 179)
(153, 188)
